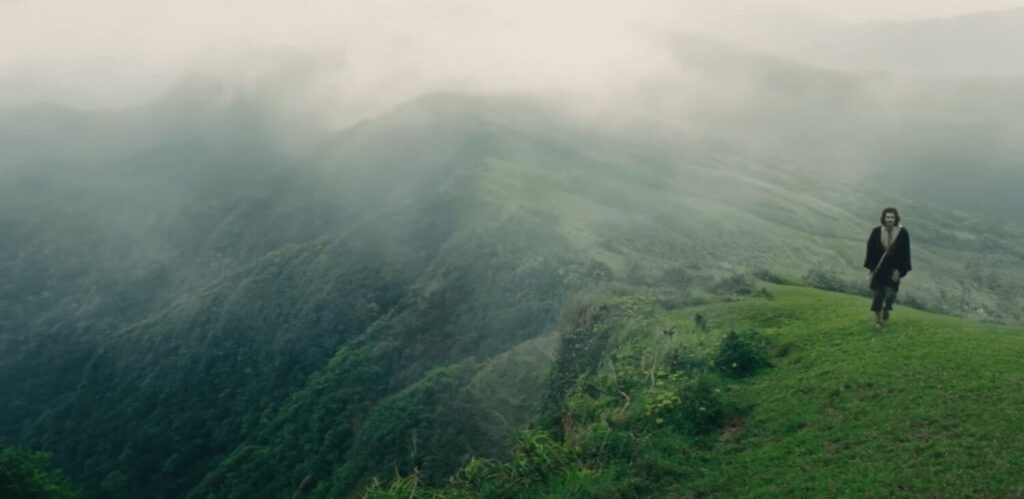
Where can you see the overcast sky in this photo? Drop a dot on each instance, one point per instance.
(110, 53)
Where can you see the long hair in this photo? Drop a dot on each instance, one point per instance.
(894, 211)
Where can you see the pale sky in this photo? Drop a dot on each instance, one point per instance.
(895, 10)
(108, 53)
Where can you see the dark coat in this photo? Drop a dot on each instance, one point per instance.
(898, 257)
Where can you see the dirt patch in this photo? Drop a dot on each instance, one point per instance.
(732, 429)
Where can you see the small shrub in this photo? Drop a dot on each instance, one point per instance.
(536, 455)
(704, 407)
(737, 284)
(691, 404)
(769, 276)
(700, 322)
(742, 354)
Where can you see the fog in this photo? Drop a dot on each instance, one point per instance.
(338, 62)
(842, 88)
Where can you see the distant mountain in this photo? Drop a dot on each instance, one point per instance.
(981, 44)
(48, 135)
(937, 140)
(184, 300)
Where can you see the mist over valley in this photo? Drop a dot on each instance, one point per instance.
(250, 286)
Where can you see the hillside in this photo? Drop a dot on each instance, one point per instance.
(184, 318)
(807, 400)
(940, 140)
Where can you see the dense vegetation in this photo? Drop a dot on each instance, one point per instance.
(814, 403)
(26, 474)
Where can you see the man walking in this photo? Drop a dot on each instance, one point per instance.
(888, 260)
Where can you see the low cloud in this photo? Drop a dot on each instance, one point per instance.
(118, 52)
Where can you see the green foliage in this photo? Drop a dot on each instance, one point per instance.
(536, 455)
(742, 354)
(692, 404)
(26, 474)
(425, 427)
(403, 487)
(581, 347)
(736, 284)
(298, 356)
(626, 414)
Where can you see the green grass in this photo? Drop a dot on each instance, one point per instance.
(930, 405)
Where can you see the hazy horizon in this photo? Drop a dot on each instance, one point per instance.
(358, 58)
(826, 86)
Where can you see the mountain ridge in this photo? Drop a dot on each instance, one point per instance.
(430, 276)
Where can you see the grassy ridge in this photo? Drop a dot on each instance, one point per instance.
(928, 406)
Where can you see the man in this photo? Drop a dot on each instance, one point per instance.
(888, 260)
